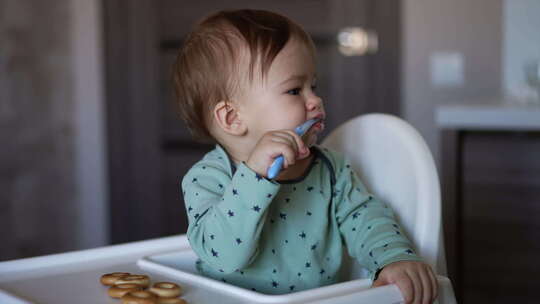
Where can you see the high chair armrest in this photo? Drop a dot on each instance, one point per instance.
(390, 294)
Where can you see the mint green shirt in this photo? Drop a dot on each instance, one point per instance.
(277, 237)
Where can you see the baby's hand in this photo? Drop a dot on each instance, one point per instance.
(275, 143)
(416, 281)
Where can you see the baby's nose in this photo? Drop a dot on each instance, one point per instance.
(314, 103)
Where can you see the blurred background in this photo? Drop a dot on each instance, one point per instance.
(93, 151)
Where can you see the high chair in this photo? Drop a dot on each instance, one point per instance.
(388, 154)
(395, 164)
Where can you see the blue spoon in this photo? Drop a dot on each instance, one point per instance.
(277, 165)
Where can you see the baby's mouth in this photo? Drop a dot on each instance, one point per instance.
(316, 128)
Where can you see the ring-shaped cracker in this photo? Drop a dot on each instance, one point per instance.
(171, 301)
(139, 279)
(109, 279)
(139, 297)
(166, 290)
(117, 291)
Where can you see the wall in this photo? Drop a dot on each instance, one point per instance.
(470, 28)
(521, 29)
(52, 183)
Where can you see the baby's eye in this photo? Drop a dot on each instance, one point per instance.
(294, 91)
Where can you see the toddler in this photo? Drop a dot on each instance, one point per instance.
(244, 80)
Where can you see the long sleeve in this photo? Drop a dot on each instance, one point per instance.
(367, 225)
(226, 215)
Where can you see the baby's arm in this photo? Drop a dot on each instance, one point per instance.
(226, 215)
(368, 226)
(378, 242)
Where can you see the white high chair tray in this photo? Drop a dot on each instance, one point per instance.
(181, 265)
(73, 277)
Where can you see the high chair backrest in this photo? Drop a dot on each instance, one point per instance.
(395, 164)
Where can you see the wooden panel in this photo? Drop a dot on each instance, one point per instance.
(501, 212)
(175, 167)
(176, 20)
(451, 205)
(131, 64)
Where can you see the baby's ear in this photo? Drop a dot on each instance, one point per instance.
(227, 118)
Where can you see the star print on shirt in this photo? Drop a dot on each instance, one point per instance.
(308, 264)
(309, 188)
(234, 192)
(214, 253)
(258, 176)
(194, 180)
(189, 209)
(302, 235)
(230, 213)
(275, 284)
(238, 241)
(256, 208)
(283, 216)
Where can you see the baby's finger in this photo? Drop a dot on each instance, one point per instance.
(417, 286)
(426, 286)
(286, 150)
(291, 139)
(298, 139)
(406, 287)
(434, 284)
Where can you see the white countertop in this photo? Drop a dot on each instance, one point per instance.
(488, 116)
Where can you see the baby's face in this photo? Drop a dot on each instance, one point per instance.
(286, 98)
